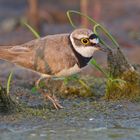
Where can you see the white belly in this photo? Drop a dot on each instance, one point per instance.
(66, 72)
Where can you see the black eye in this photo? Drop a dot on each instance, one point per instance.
(85, 41)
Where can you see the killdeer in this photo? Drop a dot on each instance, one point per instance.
(55, 55)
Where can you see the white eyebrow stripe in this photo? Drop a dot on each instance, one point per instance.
(82, 36)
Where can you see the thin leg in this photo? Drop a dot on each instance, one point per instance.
(43, 76)
(53, 99)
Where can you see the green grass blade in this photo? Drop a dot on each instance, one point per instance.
(84, 84)
(96, 26)
(9, 82)
(98, 67)
(34, 89)
(69, 12)
(35, 33)
(119, 80)
(99, 26)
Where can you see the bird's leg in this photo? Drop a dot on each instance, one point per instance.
(57, 101)
(42, 77)
(53, 99)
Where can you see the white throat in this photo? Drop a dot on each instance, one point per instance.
(84, 51)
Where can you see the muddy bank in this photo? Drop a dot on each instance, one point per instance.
(81, 119)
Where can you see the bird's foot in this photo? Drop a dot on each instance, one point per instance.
(53, 99)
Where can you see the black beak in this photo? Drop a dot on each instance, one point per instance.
(96, 44)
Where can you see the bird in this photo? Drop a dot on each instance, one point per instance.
(55, 55)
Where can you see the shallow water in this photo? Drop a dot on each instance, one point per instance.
(83, 121)
(101, 133)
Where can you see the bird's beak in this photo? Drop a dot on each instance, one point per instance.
(98, 47)
(95, 43)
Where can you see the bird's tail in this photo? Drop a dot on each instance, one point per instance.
(16, 54)
(6, 54)
(10, 53)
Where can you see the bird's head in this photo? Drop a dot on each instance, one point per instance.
(85, 42)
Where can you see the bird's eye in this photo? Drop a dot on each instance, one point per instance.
(85, 41)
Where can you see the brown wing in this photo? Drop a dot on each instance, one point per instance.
(58, 53)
